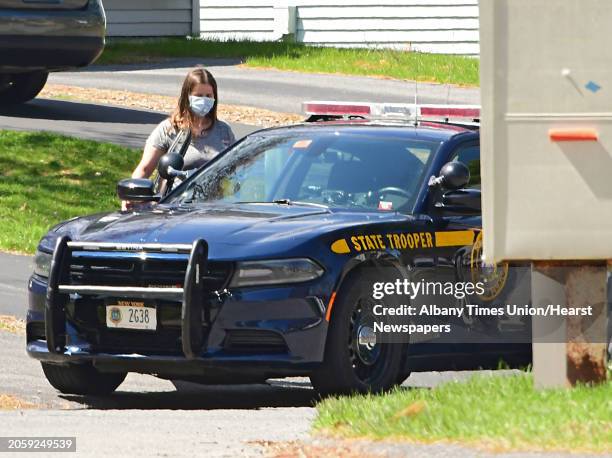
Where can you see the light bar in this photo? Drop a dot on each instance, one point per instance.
(336, 108)
(466, 114)
(449, 111)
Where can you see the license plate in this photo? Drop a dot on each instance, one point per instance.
(131, 315)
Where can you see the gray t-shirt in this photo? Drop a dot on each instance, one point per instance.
(202, 148)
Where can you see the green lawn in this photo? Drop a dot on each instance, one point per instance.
(501, 413)
(292, 56)
(46, 178)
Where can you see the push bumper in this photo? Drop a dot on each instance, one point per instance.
(210, 340)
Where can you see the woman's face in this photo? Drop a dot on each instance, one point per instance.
(203, 90)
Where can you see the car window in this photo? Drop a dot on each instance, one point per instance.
(253, 183)
(334, 169)
(470, 156)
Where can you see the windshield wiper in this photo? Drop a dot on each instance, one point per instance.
(298, 202)
(286, 202)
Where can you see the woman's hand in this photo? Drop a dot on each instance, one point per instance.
(127, 205)
(148, 162)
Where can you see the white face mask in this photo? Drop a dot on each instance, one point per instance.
(201, 106)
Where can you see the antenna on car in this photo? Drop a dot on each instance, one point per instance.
(416, 99)
(448, 86)
(416, 93)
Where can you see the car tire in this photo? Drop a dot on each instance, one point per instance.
(82, 379)
(23, 87)
(348, 366)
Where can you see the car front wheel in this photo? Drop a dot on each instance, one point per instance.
(21, 87)
(82, 379)
(354, 362)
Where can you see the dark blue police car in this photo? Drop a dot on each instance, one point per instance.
(261, 263)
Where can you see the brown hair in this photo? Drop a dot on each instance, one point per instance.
(182, 117)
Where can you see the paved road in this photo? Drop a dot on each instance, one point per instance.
(270, 89)
(148, 417)
(123, 126)
(15, 271)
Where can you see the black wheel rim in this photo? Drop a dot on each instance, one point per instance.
(366, 354)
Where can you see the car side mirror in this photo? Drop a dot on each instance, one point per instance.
(454, 175)
(449, 195)
(460, 202)
(170, 166)
(136, 190)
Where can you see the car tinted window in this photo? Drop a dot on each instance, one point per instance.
(470, 156)
(333, 169)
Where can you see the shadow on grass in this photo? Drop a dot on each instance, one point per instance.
(52, 178)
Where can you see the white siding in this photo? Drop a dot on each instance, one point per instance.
(440, 26)
(239, 19)
(148, 18)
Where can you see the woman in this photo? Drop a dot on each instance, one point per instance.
(196, 110)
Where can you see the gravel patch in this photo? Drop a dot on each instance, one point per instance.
(10, 402)
(164, 103)
(12, 324)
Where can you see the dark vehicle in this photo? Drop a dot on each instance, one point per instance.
(42, 36)
(261, 263)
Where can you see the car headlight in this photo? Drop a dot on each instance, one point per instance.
(274, 272)
(42, 263)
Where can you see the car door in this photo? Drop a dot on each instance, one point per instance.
(454, 236)
(502, 283)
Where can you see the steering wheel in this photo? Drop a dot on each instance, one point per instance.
(394, 190)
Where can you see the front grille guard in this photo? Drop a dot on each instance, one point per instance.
(191, 294)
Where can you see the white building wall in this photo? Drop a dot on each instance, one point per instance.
(150, 18)
(438, 26)
(238, 19)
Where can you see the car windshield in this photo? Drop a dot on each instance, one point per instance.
(334, 169)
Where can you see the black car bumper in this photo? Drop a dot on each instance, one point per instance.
(34, 40)
(272, 331)
(265, 340)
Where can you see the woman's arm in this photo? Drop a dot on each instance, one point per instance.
(150, 157)
(144, 169)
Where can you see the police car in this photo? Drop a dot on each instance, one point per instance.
(261, 264)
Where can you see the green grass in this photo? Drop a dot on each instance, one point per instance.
(501, 413)
(46, 178)
(285, 55)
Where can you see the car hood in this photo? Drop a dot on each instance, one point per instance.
(267, 229)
